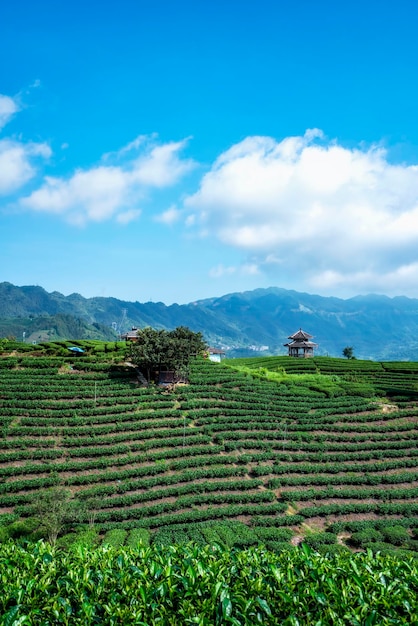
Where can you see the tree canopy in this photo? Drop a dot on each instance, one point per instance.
(155, 351)
(54, 509)
(348, 352)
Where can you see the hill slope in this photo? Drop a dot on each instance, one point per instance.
(53, 327)
(229, 446)
(378, 327)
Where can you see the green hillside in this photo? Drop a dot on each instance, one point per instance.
(53, 327)
(245, 323)
(323, 450)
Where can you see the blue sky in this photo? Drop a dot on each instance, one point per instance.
(176, 151)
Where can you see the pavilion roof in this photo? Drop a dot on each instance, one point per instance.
(301, 335)
(301, 344)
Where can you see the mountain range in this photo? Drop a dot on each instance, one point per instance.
(251, 322)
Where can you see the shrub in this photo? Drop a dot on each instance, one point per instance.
(396, 535)
(316, 540)
(412, 545)
(210, 534)
(363, 538)
(22, 528)
(180, 536)
(137, 537)
(386, 548)
(225, 533)
(273, 535)
(115, 537)
(235, 534)
(279, 546)
(66, 541)
(88, 538)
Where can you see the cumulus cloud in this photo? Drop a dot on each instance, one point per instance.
(170, 216)
(111, 189)
(114, 188)
(161, 166)
(87, 195)
(8, 107)
(307, 206)
(17, 158)
(17, 163)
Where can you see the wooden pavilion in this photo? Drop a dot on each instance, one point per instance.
(300, 345)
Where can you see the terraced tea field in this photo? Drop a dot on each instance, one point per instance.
(329, 445)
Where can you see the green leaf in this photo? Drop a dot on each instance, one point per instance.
(9, 618)
(307, 551)
(371, 619)
(225, 604)
(226, 607)
(263, 605)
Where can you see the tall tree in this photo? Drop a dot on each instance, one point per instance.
(148, 351)
(54, 509)
(158, 350)
(184, 346)
(348, 352)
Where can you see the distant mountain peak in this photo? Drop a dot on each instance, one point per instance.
(376, 326)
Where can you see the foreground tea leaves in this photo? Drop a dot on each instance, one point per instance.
(206, 586)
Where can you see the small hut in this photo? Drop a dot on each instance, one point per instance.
(131, 335)
(300, 345)
(216, 355)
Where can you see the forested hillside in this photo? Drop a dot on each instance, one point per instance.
(52, 327)
(378, 327)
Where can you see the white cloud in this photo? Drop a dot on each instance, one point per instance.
(219, 271)
(128, 216)
(170, 216)
(8, 107)
(133, 146)
(250, 269)
(17, 163)
(309, 208)
(17, 159)
(161, 166)
(401, 280)
(88, 195)
(156, 165)
(246, 269)
(111, 190)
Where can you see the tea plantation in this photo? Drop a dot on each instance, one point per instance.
(251, 458)
(208, 586)
(274, 449)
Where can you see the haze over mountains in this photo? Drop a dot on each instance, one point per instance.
(378, 327)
